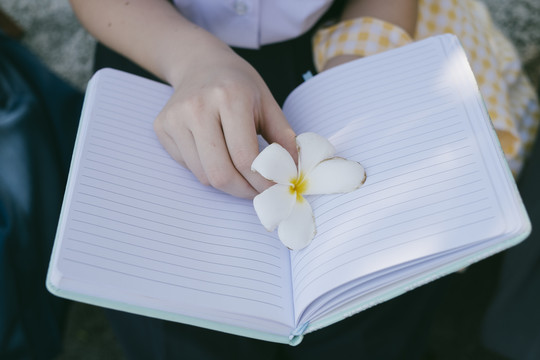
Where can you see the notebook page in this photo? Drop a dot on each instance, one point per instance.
(403, 115)
(139, 229)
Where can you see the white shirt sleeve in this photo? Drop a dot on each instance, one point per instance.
(253, 23)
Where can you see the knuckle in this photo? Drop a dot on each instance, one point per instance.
(170, 118)
(199, 174)
(227, 91)
(219, 179)
(204, 180)
(194, 104)
(183, 114)
(242, 160)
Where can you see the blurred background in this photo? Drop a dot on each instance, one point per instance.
(50, 30)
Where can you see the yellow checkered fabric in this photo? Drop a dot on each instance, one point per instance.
(364, 36)
(508, 94)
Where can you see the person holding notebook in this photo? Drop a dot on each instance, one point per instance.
(211, 125)
(232, 65)
(193, 48)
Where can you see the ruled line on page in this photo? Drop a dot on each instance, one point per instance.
(178, 256)
(137, 120)
(357, 138)
(323, 201)
(199, 280)
(179, 218)
(182, 247)
(370, 96)
(130, 145)
(412, 190)
(369, 73)
(362, 127)
(302, 287)
(182, 194)
(126, 88)
(441, 194)
(407, 71)
(369, 111)
(173, 208)
(181, 213)
(189, 184)
(199, 206)
(123, 129)
(183, 199)
(125, 105)
(361, 81)
(131, 190)
(98, 166)
(149, 143)
(419, 161)
(410, 131)
(379, 142)
(371, 66)
(300, 266)
(157, 280)
(124, 157)
(408, 146)
(125, 85)
(425, 194)
(188, 231)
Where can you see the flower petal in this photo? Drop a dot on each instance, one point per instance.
(336, 175)
(312, 149)
(273, 205)
(276, 164)
(298, 229)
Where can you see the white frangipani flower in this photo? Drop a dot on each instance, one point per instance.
(283, 205)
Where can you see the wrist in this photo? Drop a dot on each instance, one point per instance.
(186, 51)
(360, 37)
(338, 60)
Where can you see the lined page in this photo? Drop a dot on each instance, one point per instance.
(406, 116)
(140, 229)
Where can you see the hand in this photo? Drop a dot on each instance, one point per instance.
(338, 60)
(211, 122)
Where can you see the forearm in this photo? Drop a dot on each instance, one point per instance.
(152, 33)
(402, 13)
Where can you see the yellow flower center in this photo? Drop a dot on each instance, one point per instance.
(299, 186)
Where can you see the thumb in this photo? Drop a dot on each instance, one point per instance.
(275, 128)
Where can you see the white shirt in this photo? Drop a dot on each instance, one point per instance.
(252, 23)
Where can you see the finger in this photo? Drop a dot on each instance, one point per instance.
(179, 143)
(186, 143)
(169, 145)
(274, 127)
(241, 140)
(217, 163)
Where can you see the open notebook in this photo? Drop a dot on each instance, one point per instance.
(138, 233)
